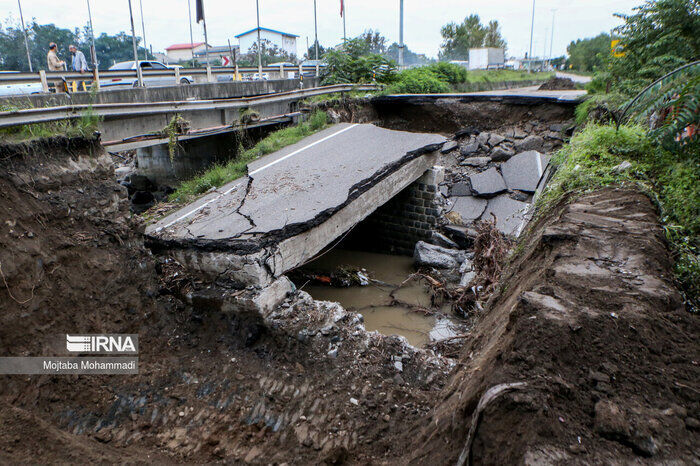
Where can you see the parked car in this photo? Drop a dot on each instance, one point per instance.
(265, 77)
(148, 81)
(19, 89)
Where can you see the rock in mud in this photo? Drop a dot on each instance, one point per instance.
(441, 240)
(429, 255)
(477, 162)
(495, 139)
(449, 146)
(466, 132)
(610, 421)
(532, 142)
(501, 154)
(468, 149)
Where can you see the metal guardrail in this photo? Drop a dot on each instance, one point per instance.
(22, 78)
(67, 112)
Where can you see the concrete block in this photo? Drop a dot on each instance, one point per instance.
(260, 301)
(487, 182)
(469, 208)
(476, 161)
(449, 147)
(524, 170)
(461, 189)
(433, 176)
(532, 142)
(510, 214)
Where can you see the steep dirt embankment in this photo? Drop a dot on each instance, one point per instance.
(588, 317)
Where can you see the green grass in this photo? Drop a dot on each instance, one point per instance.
(496, 76)
(587, 163)
(84, 126)
(219, 175)
(322, 98)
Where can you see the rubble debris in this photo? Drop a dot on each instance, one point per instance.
(488, 182)
(510, 214)
(524, 170)
(429, 255)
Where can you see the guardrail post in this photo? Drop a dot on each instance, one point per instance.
(317, 70)
(177, 76)
(281, 71)
(301, 72)
(96, 78)
(44, 82)
(210, 78)
(139, 76)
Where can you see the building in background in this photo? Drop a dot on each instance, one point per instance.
(183, 52)
(218, 55)
(486, 58)
(283, 40)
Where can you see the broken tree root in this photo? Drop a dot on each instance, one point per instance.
(4, 280)
(490, 252)
(488, 396)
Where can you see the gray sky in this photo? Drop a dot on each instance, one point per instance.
(167, 21)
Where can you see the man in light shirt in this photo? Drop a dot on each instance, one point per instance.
(79, 63)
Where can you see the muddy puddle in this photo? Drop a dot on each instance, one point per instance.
(386, 305)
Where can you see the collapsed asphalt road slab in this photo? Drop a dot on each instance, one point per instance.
(295, 201)
(487, 182)
(524, 170)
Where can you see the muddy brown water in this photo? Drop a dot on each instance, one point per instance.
(374, 301)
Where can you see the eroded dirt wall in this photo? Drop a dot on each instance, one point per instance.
(588, 317)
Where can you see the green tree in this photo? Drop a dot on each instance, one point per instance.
(493, 37)
(457, 39)
(113, 49)
(589, 54)
(352, 63)
(376, 43)
(659, 37)
(311, 53)
(271, 53)
(409, 57)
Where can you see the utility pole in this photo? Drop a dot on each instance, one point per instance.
(26, 43)
(551, 41)
(315, 31)
(189, 13)
(342, 13)
(143, 31)
(139, 75)
(400, 33)
(532, 30)
(257, 8)
(93, 51)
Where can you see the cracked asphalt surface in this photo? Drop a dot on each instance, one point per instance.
(294, 185)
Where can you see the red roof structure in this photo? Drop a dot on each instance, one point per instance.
(186, 46)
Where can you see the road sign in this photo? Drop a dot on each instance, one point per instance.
(617, 48)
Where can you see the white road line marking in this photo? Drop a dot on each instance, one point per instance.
(302, 149)
(227, 192)
(539, 166)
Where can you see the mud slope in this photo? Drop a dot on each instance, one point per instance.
(306, 385)
(589, 319)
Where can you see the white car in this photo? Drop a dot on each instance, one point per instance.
(265, 77)
(19, 89)
(148, 81)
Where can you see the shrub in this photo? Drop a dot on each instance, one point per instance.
(449, 72)
(418, 81)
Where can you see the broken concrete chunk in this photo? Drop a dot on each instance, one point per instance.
(468, 149)
(501, 154)
(532, 142)
(557, 127)
(553, 135)
(483, 138)
(461, 189)
(495, 139)
(429, 255)
(466, 132)
(475, 161)
(487, 182)
(449, 146)
(510, 214)
(524, 170)
(439, 239)
(469, 208)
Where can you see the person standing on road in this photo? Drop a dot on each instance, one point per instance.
(54, 63)
(79, 62)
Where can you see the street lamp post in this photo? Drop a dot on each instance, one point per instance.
(532, 29)
(257, 8)
(189, 13)
(551, 41)
(315, 32)
(143, 32)
(93, 52)
(26, 43)
(400, 33)
(139, 75)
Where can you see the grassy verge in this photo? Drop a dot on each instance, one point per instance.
(494, 76)
(589, 162)
(219, 175)
(317, 99)
(84, 126)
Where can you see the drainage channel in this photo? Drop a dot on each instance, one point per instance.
(384, 289)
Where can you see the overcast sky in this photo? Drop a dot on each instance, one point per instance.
(167, 20)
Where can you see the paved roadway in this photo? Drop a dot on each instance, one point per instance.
(533, 91)
(293, 185)
(574, 77)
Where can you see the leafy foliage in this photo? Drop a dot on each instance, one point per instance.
(409, 57)
(353, 63)
(589, 54)
(448, 72)
(419, 81)
(271, 53)
(659, 37)
(457, 39)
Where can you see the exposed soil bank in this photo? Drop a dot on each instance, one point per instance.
(588, 317)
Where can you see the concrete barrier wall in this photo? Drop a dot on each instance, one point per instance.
(495, 86)
(164, 94)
